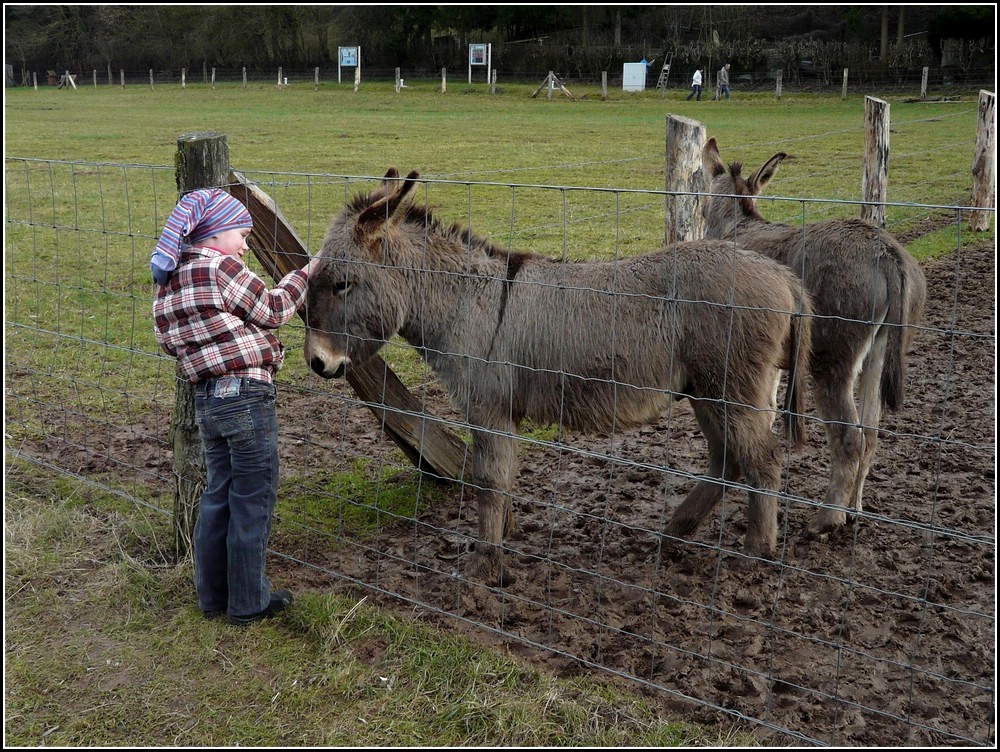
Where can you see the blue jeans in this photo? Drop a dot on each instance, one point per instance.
(238, 424)
(695, 89)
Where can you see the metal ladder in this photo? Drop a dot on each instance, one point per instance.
(664, 72)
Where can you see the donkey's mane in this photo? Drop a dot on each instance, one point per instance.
(422, 217)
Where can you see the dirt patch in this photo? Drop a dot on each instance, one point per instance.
(882, 635)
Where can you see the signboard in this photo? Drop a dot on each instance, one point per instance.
(480, 54)
(477, 54)
(348, 56)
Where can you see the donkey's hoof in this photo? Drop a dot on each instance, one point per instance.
(744, 561)
(753, 555)
(826, 522)
(487, 566)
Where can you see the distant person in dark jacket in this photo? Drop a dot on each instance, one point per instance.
(723, 83)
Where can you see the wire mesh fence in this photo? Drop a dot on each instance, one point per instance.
(881, 632)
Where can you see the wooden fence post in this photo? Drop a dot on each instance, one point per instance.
(984, 193)
(875, 177)
(202, 162)
(685, 180)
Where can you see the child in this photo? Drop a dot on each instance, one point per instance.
(219, 319)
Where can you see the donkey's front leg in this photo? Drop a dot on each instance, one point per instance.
(494, 467)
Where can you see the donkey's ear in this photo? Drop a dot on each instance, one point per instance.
(409, 184)
(402, 191)
(388, 197)
(763, 176)
(711, 160)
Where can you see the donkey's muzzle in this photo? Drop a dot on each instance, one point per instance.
(327, 370)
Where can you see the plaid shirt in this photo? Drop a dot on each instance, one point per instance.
(216, 316)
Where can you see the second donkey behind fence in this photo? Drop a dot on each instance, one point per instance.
(593, 346)
(868, 294)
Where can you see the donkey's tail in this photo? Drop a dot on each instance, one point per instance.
(906, 302)
(799, 348)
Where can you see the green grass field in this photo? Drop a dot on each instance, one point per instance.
(509, 137)
(88, 184)
(93, 182)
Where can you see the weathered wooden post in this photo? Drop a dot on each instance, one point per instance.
(685, 180)
(202, 162)
(444, 80)
(843, 91)
(984, 192)
(777, 85)
(923, 83)
(875, 177)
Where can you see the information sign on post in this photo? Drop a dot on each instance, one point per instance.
(480, 54)
(349, 57)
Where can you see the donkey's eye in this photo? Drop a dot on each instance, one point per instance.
(341, 288)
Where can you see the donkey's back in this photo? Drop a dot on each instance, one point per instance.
(857, 274)
(599, 344)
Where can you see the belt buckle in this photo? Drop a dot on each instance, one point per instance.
(227, 386)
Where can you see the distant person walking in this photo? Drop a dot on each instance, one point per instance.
(695, 87)
(723, 83)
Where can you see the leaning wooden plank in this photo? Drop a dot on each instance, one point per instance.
(424, 440)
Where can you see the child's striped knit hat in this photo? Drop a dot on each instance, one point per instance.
(198, 215)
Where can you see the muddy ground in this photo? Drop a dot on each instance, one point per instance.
(883, 635)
